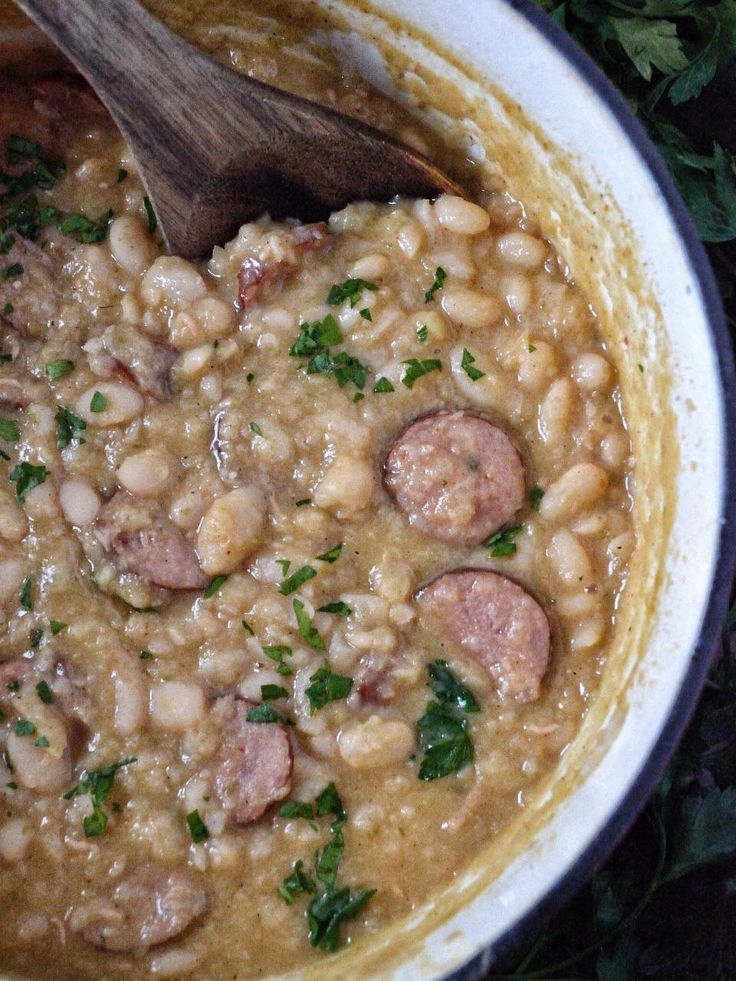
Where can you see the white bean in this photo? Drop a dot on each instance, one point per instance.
(587, 634)
(231, 530)
(173, 281)
(579, 487)
(568, 558)
(615, 448)
(537, 364)
(370, 267)
(347, 486)
(470, 307)
(177, 705)
(461, 216)
(591, 372)
(207, 319)
(121, 404)
(11, 576)
(80, 502)
(131, 706)
(555, 412)
(15, 837)
(13, 522)
(132, 247)
(521, 249)
(411, 239)
(517, 291)
(376, 742)
(146, 473)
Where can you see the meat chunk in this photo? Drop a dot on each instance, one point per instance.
(375, 681)
(151, 905)
(148, 544)
(277, 259)
(494, 621)
(32, 293)
(455, 476)
(141, 361)
(253, 767)
(13, 394)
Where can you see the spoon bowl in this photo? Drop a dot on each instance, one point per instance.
(214, 148)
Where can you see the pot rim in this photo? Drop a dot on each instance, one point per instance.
(704, 653)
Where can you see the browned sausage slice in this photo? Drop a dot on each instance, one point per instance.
(496, 622)
(148, 544)
(455, 476)
(150, 906)
(253, 767)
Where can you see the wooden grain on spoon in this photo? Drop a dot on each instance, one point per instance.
(215, 148)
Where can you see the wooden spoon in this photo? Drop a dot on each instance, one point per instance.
(215, 148)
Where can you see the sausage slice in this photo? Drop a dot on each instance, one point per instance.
(496, 622)
(150, 906)
(455, 476)
(253, 767)
(148, 544)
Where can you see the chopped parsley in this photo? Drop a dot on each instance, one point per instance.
(263, 713)
(416, 369)
(502, 544)
(535, 498)
(150, 214)
(255, 428)
(327, 687)
(277, 653)
(10, 272)
(297, 579)
(98, 784)
(307, 629)
(7, 310)
(214, 586)
(24, 727)
(98, 402)
(122, 174)
(383, 385)
(531, 348)
(316, 337)
(297, 809)
(340, 608)
(467, 362)
(146, 655)
(440, 278)
(85, 230)
(57, 369)
(351, 289)
(443, 729)
(285, 564)
(18, 149)
(272, 693)
(448, 690)
(332, 554)
(26, 594)
(296, 883)
(422, 334)
(197, 828)
(42, 742)
(301, 503)
(56, 627)
(366, 314)
(36, 637)
(9, 430)
(247, 628)
(69, 428)
(343, 366)
(26, 476)
(44, 693)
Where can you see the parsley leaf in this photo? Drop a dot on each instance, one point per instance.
(297, 579)
(535, 498)
(98, 784)
(448, 690)
(327, 912)
(297, 809)
(98, 402)
(44, 692)
(271, 693)
(444, 740)
(150, 214)
(26, 594)
(327, 687)
(383, 385)
(56, 627)
(85, 230)
(502, 544)
(440, 278)
(24, 727)
(26, 476)
(351, 290)
(650, 44)
(307, 629)
(297, 882)
(277, 653)
(9, 430)
(197, 828)
(263, 713)
(422, 334)
(217, 583)
(57, 369)
(417, 369)
(467, 363)
(69, 428)
(316, 337)
(340, 608)
(332, 554)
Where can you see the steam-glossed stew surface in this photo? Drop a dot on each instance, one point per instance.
(309, 553)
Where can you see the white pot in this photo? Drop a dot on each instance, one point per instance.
(521, 94)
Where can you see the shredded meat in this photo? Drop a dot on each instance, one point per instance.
(271, 265)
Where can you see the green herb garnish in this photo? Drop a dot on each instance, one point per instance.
(150, 214)
(327, 687)
(340, 608)
(57, 369)
(69, 428)
(255, 428)
(26, 476)
(535, 498)
(277, 653)
(467, 362)
(98, 784)
(296, 883)
(448, 690)
(440, 278)
(44, 693)
(9, 430)
(98, 402)
(272, 693)
(26, 594)
(197, 827)
(297, 579)
(24, 727)
(307, 629)
(502, 544)
(263, 713)
(422, 334)
(85, 230)
(417, 369)
(214, 586)
(56, 627)
(383, 385)
(351, 290)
